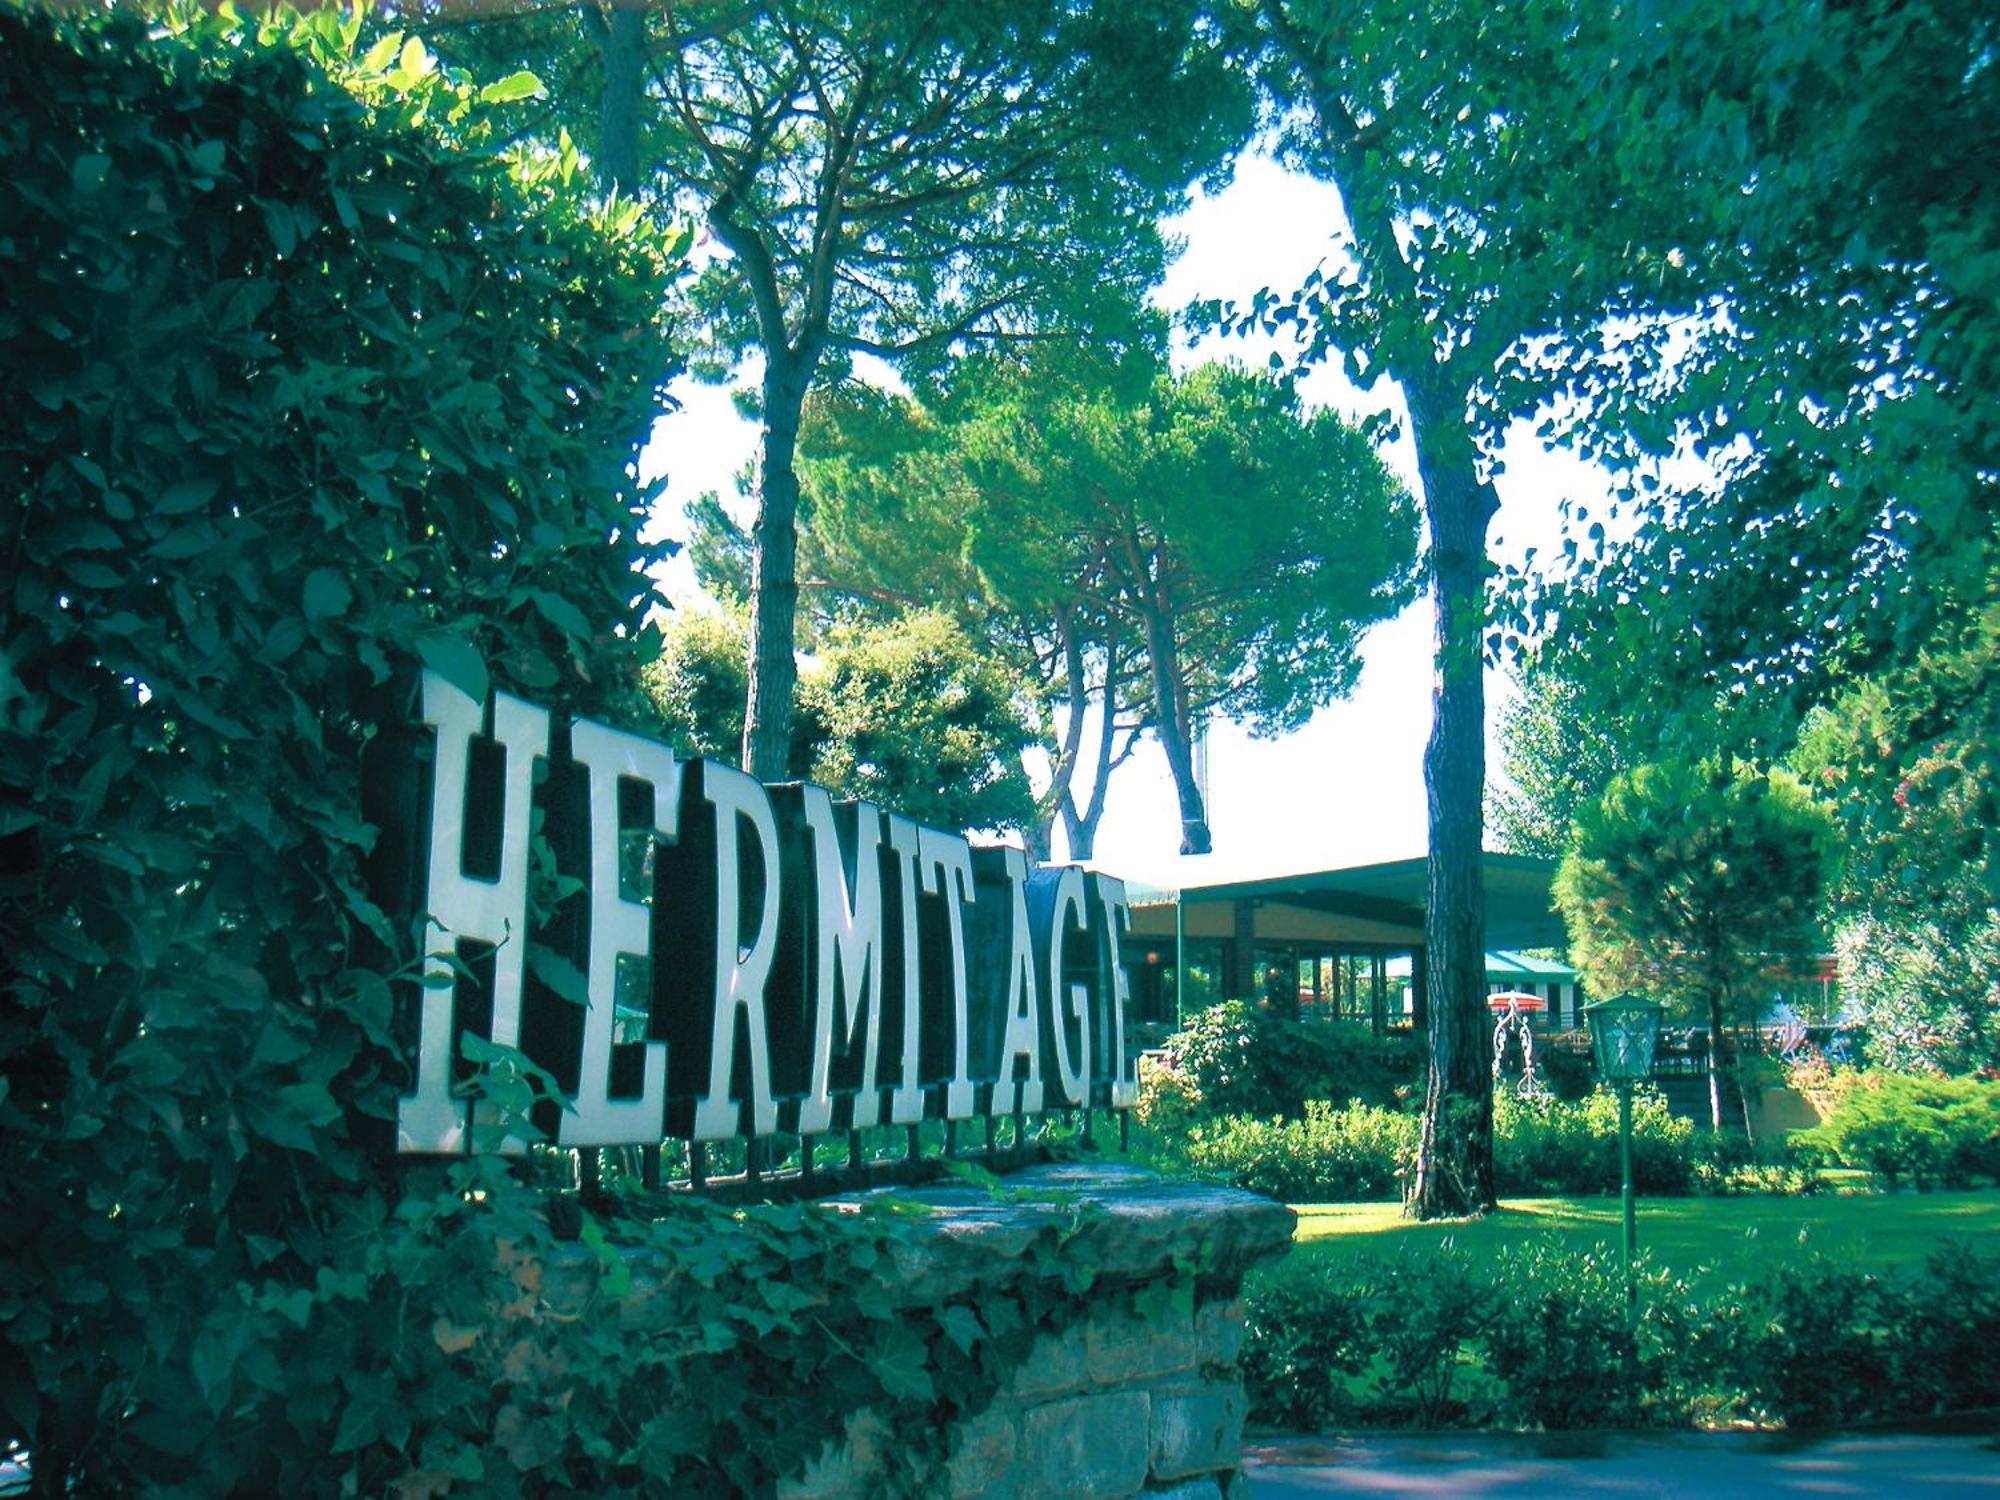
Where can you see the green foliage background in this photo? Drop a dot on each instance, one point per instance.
(1234, 1060)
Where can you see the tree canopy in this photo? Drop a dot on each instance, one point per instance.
(1826, 593)
(898, 180)
(910, 712)
(1177, 548)
(1559, 751)
(1491, 237)
(1834, 377)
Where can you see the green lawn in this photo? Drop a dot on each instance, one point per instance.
(1868, 1230)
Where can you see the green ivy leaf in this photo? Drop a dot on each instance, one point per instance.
(667, 1435)
(456, 660)
(962, 1326)
(902, 1363)
(371, 1413)
(327, 594)
(87, 173)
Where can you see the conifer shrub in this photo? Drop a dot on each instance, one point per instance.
(1923, 1130)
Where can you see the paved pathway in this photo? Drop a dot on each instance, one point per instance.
(1681, 1466)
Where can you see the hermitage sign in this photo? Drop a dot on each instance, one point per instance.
(734, 959)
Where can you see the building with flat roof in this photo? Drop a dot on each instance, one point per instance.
(1345, 942)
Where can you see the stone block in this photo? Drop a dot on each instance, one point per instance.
(1086, 1448)
(1192, 1489)
(1218, 1329)
(1196, 1430)
(1120, 1349)
(983, 1457)
(1236, 1486)
(973, 1241)
(1054, 1366)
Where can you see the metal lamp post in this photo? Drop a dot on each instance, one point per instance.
(1623, 1034)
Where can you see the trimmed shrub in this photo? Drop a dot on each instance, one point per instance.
(1538, 1337)
(1544, 1147)
(1560, 1344)
(1379, 1341)
(1306, 1339)
(1806, 1345)
(1946, 1335)
(1352, 1154)
(1426, 1313)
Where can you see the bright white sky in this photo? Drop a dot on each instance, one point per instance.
(1348, 788)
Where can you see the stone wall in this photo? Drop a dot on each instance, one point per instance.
(1111, 1403)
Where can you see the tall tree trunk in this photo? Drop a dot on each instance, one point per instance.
(774, 577)
(1082, 825)
(1039, 836)
(1725, 1065)
(1455, 1146)
(623, 41)
(1172, 724)
(1057, 803)
(1081, 832)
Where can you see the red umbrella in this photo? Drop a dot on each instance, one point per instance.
(1505, 998)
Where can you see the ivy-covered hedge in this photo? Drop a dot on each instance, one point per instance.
(304, 384)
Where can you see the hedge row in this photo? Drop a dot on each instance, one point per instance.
(1233, 1060)
(1542, 1147)
(1539, 1337)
